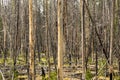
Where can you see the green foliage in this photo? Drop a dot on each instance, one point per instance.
(117, 78)
(101, 62)
(51, 60)
(21, 59)
(43, 78)
(43, 60)
(53, 75)
(1, 61)
(0, 77)
(9, 61)
(16, 75)
(90, 60)
(88, 75)
(66, 65)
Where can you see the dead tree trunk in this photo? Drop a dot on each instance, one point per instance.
(31, 42)
(60, 39)
(83, 38)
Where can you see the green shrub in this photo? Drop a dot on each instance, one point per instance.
(88, 75)
(16, 75)
(53, 76)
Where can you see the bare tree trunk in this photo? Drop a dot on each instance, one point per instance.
(119, 66)
(31, 42)
(60, 39)
(16, 35)
(3, 22)
(83, 39)
(111, 38)
(0, 8)
(5, 36)
(96, 59)
(65, 20)
(47, 42)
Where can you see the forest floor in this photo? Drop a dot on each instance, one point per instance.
(70, 72)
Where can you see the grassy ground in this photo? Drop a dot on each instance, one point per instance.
(72, 72)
